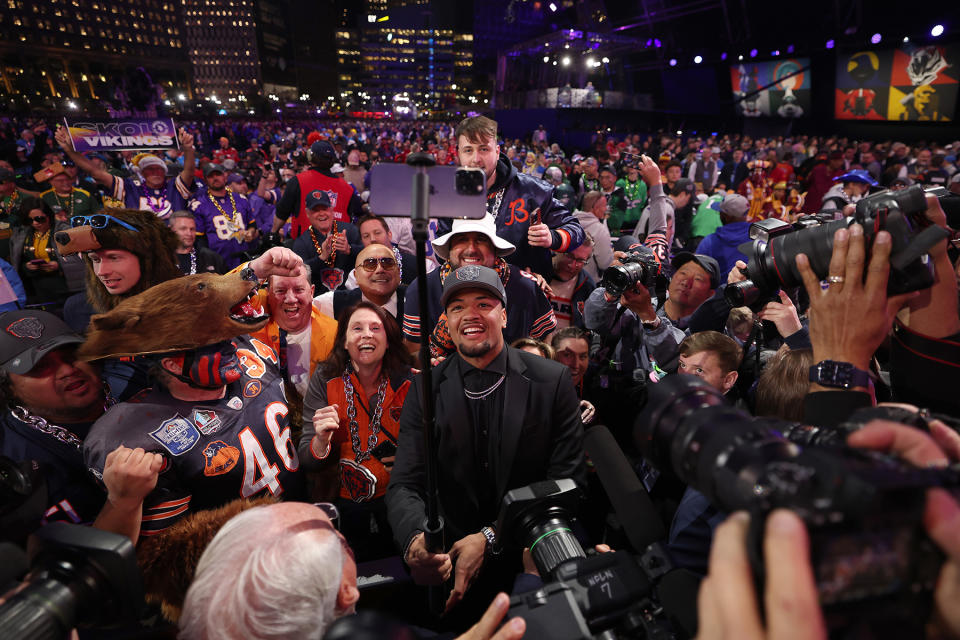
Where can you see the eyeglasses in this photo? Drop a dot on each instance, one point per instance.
(370, 264)
(331, 510)
(38, 219)
(580, 261)
(99, 221)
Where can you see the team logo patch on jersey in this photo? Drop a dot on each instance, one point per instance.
(359, 482)
(580, 307)
(219, 458)
(252, 389)
(235, 403)
(207, 421)
(395, 413)
(28, 327)
(177, 435)
(331, 278)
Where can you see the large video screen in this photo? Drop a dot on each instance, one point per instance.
(911, 84)
(778, 88)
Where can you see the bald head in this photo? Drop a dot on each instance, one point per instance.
(377, 272)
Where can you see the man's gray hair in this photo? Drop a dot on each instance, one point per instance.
(554, 175)
(256, 580)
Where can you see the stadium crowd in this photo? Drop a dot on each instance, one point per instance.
(119, 380)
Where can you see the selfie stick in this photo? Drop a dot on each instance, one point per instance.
(420, 216)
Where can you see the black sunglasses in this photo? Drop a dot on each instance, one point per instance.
(370, 264)
(38, 219)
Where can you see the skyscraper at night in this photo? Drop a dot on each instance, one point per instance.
(415, 48)
(221, 41)
(56, 51)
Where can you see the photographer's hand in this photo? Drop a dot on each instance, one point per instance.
(486, 628)
(850, 319)
(783, 314)
(649, 171)
(467, 555)
(941, 516)
(638, 301)
(728, 606)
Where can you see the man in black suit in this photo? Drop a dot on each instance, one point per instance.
(734, 171)
(504, 419)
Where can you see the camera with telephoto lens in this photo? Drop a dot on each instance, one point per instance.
(607, 595)
(776, 245)
(874, 566)
(639, 268)
(79, 577)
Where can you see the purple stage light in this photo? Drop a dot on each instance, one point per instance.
(673, 62)
(723, 56)
(830, 44)
(753, 53)
(875, 38)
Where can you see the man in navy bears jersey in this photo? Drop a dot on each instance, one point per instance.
(217, 415)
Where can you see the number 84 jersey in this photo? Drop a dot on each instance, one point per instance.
(214, 451)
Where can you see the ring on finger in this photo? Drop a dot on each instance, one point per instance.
(835, 279)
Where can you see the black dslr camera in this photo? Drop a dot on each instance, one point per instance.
(639, 268)
(608, 595)
(873, 563)
(777, 244)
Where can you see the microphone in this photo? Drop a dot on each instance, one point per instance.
(629, 498)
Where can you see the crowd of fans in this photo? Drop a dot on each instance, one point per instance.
(286, 204)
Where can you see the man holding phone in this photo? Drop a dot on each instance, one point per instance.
(526, 213)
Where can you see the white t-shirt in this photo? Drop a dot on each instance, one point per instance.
(561, 301)
(298, 359)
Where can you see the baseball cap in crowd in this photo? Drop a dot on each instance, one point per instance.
(234, 178)
(151, 161)
(336, 168)
(213, 168)
(484, 225)
(711, 266)
(317, 198)
(473, 276)
(27, 335)
(322, 149)
(683, 185)
(734, 205)
(6, 175)
(857, 175)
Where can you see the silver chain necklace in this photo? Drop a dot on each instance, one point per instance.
(497, 201)
(480, 395)
(193, 262)
(359, 455)
(62, 434)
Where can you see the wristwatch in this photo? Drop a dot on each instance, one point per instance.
(492, 548)
(839, 375)
(247, 273)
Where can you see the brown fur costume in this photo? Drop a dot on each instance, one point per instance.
(176, 315)
(169, 561)
(154, 245)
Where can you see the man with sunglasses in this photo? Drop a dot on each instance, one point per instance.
(378, 281)
(155, 192)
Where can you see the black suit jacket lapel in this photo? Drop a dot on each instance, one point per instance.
(514, 412)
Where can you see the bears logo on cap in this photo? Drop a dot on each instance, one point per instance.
(316, 193)
(26, 328)
(468, 273)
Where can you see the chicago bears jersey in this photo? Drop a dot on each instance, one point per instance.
(214, 451)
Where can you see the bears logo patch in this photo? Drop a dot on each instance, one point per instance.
(28, 327)
(219, 458)
(359, 482)
(468, 273)
(331, 278)
(580, 307)
(395, 413)
(252, 389)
